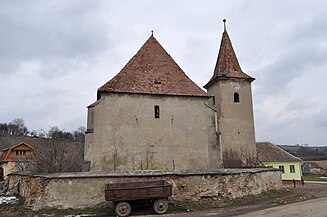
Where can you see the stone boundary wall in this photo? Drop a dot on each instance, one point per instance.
(85, 189)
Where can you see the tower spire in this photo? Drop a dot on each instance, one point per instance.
(224, 20)
(227, 65)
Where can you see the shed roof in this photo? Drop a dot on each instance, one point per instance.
(268, 152)
(153, 71)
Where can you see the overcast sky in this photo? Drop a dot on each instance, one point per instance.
(55, 54)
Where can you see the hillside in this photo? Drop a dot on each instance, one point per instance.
(307, 152)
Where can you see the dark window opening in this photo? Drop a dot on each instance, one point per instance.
(20, 152)
(156, 111)
(236, 97)
(281, 167)
(292, 168)
(213, 100)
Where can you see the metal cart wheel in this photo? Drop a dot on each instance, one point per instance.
(160, 206)
(123, 209)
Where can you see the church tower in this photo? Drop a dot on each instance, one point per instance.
(230, 89)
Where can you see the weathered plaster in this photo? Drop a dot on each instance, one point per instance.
(82, 190)
(125, 135)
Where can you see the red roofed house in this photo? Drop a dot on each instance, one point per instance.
(271, 155)
(152, 116)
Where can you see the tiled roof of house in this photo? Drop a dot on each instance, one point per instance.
(268, 152)
(153, 71)
(227, 65)
(321, 164)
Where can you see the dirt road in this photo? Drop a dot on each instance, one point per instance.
(312, 208)
(266, 204)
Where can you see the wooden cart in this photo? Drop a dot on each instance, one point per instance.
(122, 194)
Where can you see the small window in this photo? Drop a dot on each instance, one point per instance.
(281, 167)
(20, 152)
(236, 97)
(213, 100)
(156, 111)
(292, 168)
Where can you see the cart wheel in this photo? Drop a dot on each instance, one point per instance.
(160, 206)
(123, 209)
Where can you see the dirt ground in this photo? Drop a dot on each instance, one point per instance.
(287, 195)
(207, 207)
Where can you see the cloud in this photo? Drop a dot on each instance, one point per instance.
(54, 55)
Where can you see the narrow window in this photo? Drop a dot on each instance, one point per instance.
(292, 168)
(213, 100)
(156, 111)
(281, 167)
(236, 97)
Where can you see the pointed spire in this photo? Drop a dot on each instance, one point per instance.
(227, 65)
(224, 20)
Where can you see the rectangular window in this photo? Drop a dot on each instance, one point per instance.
(281, 167)
(156, 111)
(213, 100)
(292, 168)
(20, 152)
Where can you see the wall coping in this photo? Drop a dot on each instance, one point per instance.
(143, 173)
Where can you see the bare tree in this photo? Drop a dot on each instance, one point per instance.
(21, 129)
(239, 159)
(59, 155)
(232, 159)
(79, 134)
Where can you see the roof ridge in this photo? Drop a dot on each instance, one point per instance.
(285, 151)
(270, 152)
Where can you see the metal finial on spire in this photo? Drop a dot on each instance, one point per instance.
(224, 20)
(151, 32)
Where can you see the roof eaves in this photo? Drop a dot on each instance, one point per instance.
(158, 94)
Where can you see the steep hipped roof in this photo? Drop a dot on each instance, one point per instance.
(153, 71)
(227, 65)
(268, 152)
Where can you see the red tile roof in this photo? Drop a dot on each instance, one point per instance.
(153, 71)
(268, 152)
(322, 163)
(227, 65)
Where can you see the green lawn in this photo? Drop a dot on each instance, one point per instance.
(314, 177)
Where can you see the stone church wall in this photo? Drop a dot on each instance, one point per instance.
(83, 190)
(124, 135)
(236, 122)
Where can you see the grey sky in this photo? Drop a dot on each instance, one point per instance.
(55, 54)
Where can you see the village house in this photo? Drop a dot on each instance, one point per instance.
(270, 155)
(315, 167)
(152, 116)
(15, 158)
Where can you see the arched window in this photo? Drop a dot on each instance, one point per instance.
(156, 111)
(236, 97)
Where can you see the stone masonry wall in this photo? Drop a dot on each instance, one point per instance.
(82, 190)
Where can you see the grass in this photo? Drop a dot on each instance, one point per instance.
(314, 177)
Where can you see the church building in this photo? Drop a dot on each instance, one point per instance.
(152, 116)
